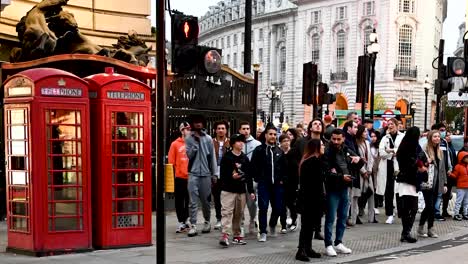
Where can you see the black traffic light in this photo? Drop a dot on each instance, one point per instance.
(322, 92)
(309, 83)
(184, 43)
(281, 117)
(209, 60)
(442, 87)
(262, 116)
(456, 67)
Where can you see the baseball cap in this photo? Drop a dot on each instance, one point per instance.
(183, 126)
(235, 138)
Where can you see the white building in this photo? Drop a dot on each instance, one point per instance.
(333, 33)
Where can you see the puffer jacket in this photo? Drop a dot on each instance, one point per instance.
(460, 173)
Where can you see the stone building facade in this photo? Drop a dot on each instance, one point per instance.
(333, 34)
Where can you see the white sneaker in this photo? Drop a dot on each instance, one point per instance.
(218, 225)
(376, 211)
(262, 238)
(342, 249)
(272, 231)
(330, 251)
(389, 220)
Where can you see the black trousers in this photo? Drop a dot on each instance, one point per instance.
(448, 195)
(181, 199)
(429, 210)
(389, 190)
(290, 196)
(307, 229)
(216, 192)
(408, 208)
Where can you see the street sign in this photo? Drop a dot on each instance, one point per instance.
(387, 114)
(455, 100)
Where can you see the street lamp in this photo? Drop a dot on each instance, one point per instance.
(275, 95)
(427, 86)
(256, 69)
(413, 108)
(372, 50)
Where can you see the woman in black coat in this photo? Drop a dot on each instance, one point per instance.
(411, 166)
(311, 195)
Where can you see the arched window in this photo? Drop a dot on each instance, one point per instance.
(340, 51)
(367, 32)
(405, 43)
(315, 48)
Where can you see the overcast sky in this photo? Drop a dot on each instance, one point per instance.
(456, 15)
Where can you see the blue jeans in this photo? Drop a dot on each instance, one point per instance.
(437, 204)
(337, 205)
(269, 194)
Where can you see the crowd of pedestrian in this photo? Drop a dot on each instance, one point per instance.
(345, 174)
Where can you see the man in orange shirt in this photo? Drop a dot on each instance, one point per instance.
(178, 157)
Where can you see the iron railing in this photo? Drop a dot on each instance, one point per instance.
(405, 72)
(338, 76)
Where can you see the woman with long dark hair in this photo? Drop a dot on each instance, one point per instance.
(436, 182)
(374, 143)
(409, 156)
(312, 170)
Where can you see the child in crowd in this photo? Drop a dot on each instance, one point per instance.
(460, 173)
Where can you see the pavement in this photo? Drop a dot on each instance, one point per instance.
(371, 243)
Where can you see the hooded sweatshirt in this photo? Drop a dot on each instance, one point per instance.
(178, 157)
(201, 154)
(250, 145)
(460, 173)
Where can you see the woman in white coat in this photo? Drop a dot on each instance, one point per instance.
(388, 166)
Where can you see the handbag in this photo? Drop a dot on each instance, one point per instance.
(427, 185)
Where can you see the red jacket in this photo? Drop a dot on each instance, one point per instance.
(461, 171)
(178, 157)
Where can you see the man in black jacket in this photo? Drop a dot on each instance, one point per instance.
(268, 162)
(342, 162)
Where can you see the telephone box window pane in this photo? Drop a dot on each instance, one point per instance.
(17, 116)
(17, 163)
(18, 148)
(64, 224)
(128, 163)
(18, 178)
(18, 194)
(127, 220)
(17, 132)
(19, 224)
(125, 192)
(126, 118)
(78, 148)
(127, 206)
(19, 209)
(127, 147)
(62, 209)
(64, 194)
(64, 132)
(59, 116)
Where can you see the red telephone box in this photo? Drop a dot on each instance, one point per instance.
(121, 161)
(46, 147)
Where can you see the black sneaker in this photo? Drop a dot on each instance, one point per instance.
(458, 218)
(447, 215)
(239, 241)
(439, 218)
(465, 217)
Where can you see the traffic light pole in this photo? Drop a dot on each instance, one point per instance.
(440, 76)
(160, 133)
(248, 36)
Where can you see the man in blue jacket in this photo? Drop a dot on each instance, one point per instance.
(202, 168)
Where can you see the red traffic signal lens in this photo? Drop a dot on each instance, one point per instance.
(458, 66)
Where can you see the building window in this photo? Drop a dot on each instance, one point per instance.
(340, 51)
(405, 47)
(260, 34)
(407, 6)
(315, 48)
(242, 37)
(234, 60)
(222, 43)
(235, 39)
(228, 62)
(341, 13)
(228, 41)
(260, 55)
(316, 17)
(217, 44)
(367, 32)
(261, 8)
(282, 64)
(281, 32)
(369, 8)
(242, 61)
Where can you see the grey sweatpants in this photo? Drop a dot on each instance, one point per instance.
(199, 190)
